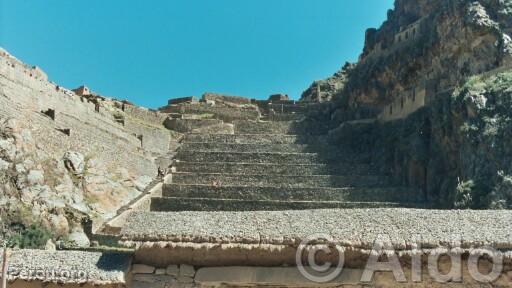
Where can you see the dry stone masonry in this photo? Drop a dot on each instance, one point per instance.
(223, 191)
(238, 204)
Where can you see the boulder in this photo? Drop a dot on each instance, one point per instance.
(50, 246)
(74, 162)
(78, 239)
(59, 225)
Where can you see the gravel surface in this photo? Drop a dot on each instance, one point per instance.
(358, 228)
(68, 267)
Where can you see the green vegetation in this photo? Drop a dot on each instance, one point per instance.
(34, 237)
(463, 195)
(459, 146)
(22, 229)
(484, 108)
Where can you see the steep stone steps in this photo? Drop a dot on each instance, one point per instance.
(229, 147)
(372, 194)
(188, 125)
(279, 127)
(224, 113)
(283, 117)
(288, 108)
(208, 204)
(268, 148)
(266, 157)
(280, 180)
(273, 169)
(247, 138)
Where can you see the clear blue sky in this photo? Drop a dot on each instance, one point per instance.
(149, 51)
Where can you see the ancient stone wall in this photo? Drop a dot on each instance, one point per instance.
(405, 104)
(409, 32)
(152, 139)
(117, 168)
(145, 115)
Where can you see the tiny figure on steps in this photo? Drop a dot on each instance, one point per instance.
(160, 172)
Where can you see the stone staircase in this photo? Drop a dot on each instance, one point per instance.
(278, 164)
(274, 165)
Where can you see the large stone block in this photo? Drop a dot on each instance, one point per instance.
(187, 271)
(173, 270)
(271, 276)
(152, 281)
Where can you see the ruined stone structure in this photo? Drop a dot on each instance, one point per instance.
(278, 97)
(409, 32)
(227, 191)
(235, 207)
(409, 101)
(82, 91)
(244, 184)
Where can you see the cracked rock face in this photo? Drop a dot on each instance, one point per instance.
(454, 39)
(454, 148)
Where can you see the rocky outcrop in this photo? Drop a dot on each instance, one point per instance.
(438, 41)
(453, 144)
(457, 149)
(325, 90)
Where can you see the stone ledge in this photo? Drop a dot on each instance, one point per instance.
(178, 204)
(385, 194)
(347, 227)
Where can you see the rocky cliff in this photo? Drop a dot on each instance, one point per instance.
(65, 157)
(443, 41)
(454, 144)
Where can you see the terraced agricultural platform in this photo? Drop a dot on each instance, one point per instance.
(248, 199)
(268, 166)
(274, 165)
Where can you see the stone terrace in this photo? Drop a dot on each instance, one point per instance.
(272, 165)
(249, 197)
